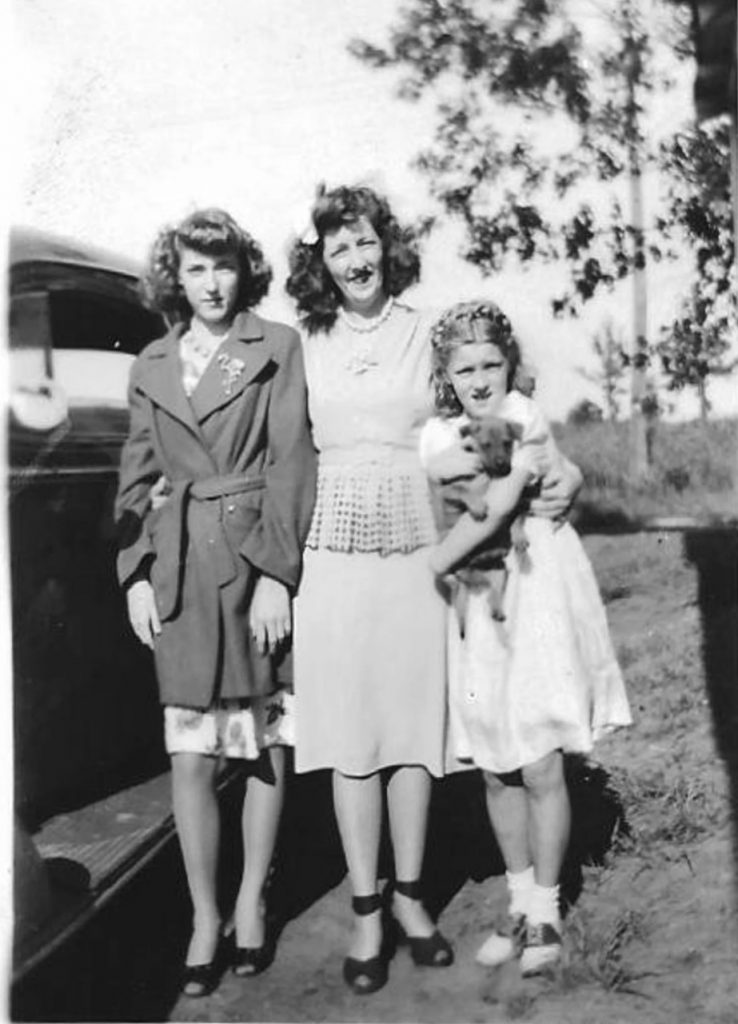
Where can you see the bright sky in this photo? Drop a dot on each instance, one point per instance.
(130, 114)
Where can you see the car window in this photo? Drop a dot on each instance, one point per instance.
(86, 341)
(83, 332)
(30, 338)
(82, 319)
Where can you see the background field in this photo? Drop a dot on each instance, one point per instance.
(694, 470)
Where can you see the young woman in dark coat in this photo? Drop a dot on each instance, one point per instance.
(218, 410)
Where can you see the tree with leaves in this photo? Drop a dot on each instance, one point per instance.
(695, 348)
(577, 76)
(698, 344)
(608, 346)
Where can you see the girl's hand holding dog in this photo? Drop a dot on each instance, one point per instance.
(559, 488)
(270, 617)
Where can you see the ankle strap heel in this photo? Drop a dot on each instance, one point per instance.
(409, 889)
(363, 905)
(366, 976)
(427, 951)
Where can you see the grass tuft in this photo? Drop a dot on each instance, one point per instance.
(597, 953)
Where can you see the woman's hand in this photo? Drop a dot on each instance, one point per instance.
(270, 618)
(159, 493)
(455, 463)
(142, 613)
(559, 488)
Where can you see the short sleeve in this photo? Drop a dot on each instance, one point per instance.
(436, 436)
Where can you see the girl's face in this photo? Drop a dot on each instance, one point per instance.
(478, 372)
(353, 257)
(210, 284)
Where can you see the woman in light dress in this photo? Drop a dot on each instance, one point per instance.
(370, 655)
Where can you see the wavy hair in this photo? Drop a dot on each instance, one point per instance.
(464, 324)
(309, 281)
(212, 232)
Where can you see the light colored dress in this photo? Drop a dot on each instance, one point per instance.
(547, 677)
(370, 679)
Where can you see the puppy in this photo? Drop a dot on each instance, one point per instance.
(493, 439)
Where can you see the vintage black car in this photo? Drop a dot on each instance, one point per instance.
(91, 791)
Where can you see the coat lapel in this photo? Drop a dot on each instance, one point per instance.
(162, 379)
(238, 361)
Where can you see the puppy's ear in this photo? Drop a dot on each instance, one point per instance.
(515, 430)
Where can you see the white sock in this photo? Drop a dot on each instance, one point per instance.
(520, 885)
(543, 905)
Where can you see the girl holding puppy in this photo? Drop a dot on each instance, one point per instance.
(545, 679)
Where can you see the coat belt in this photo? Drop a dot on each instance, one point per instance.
(171, 549)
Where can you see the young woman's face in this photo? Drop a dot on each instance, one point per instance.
(210, 284)
(478, 373)
(353, 256)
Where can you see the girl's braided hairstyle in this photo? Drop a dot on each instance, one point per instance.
(465, 323)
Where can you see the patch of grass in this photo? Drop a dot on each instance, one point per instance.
(694, 470)
(665, 805)
(597, 952)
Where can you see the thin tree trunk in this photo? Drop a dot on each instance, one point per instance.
(702, 395)
(639, 351)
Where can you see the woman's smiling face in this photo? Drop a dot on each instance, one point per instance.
(353, 257)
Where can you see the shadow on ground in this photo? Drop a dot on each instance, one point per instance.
(125, 965)
(461, 844)
(715, 555)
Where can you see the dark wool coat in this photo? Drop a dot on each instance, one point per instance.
(240, 459)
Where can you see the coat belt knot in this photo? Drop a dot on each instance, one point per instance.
(173, 536)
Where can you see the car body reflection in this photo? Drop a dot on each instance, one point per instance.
(86, 720)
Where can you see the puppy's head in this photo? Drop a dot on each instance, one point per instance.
(494, 438)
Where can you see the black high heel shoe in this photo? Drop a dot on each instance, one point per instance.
(202, 979)
(366, 976)
(248, 961)
(427, 951)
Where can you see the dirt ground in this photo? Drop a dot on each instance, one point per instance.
(651, 935)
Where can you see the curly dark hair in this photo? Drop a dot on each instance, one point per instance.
(212, 232)
(465, 323)
(309, 281)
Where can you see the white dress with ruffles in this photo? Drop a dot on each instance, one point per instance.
(370, 681)
(546, 678)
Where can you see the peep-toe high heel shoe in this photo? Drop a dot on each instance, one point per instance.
(199, 980)
(248, 961)
(366, 976)
(427, 951)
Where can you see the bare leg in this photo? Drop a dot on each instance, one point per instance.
(262, 808)
(408, 797)
(358, 804)
(550, 816)
(507, 807)
(198, 826)
(550, 819)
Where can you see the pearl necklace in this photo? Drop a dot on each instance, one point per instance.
(370, 326)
